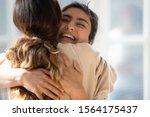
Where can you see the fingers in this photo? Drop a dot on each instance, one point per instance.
(39, 82)
(53, 93)
(51, 88)
(46, 78)
(49, 82)
(38, 94)
(49, 93)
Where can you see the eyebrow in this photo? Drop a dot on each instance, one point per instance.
(79, 19)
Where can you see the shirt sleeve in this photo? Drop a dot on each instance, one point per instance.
(106, 77)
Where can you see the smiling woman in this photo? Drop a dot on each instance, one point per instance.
(75, 26)
(91, 78)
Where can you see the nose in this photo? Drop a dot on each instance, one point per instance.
(70, 26)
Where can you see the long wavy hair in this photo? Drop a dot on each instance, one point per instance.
(39, 21)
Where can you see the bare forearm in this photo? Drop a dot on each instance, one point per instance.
(36, 81)
(8, 78)
(7, 74)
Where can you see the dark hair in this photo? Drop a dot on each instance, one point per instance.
(39, 20)
(93, 16)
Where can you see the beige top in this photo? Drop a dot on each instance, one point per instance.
(99, 76)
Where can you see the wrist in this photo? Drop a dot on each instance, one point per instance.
(21, 74)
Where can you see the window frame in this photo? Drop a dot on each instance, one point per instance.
(102, 8)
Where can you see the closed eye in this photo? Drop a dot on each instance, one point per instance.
(65, 19)
(81, 25)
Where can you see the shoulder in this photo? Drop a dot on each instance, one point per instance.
(80, 48)
(76, 46)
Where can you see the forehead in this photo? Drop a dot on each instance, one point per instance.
(76, 13)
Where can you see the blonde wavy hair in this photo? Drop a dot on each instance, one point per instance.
(29, 54)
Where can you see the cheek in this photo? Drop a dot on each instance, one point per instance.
(84, 36)
(85, 33)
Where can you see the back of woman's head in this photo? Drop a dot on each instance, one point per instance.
(38, 18)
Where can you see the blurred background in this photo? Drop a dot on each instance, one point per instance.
(123, 39)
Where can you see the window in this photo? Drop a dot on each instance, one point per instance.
(123, 28)
(126, 21)
(66, 2)
(3, 17)
(3, 26)
(7, 30)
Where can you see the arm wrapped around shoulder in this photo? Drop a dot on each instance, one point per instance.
(29, 54)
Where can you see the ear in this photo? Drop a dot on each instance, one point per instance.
(91, 41)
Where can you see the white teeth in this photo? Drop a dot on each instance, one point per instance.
(68, 36)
